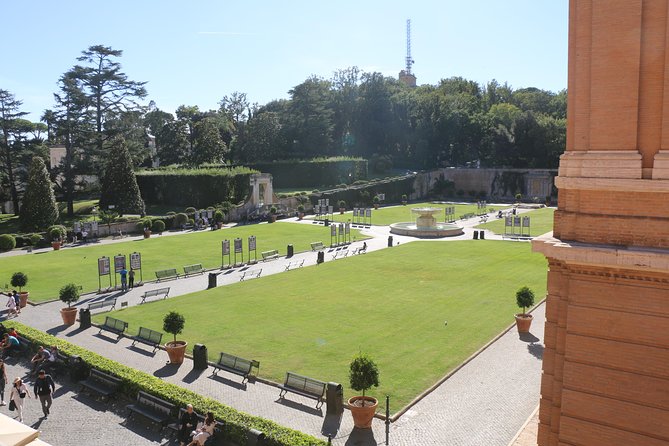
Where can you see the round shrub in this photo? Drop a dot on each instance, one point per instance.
(7, 242)
(158, 226)
(69, 294)
(191, 221)
(218, 216)
(57, 233)
(21, 241)
(173, 323)
(171, 213)
(180, 220)
(190, 210)
(19, 280)
(35, 239)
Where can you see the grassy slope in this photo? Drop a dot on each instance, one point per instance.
(541, 222)
(48, 271)
(395, 214)
(392, 304)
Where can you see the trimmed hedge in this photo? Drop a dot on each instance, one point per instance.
(362, 195)
(7, 242)
(316, 172)
(237, 423)
(194, 187)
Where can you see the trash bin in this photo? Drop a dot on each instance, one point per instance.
(476, 235)
(390, 241)
(212, 281)
(84, 318)
(199, 357)
(289, 251)
(327, 222)
(482, 235)
(321, 257)
(255, 438)
(334, 399)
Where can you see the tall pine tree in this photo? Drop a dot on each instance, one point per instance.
(119, 185)
(39, 209)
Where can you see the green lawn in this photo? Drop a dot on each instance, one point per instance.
(49, 271)
(395, 214)
(391, 304)
(541, 222)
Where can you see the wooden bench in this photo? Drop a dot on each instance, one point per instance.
(302, 385)
(340, 255)
(295, 264)
(101, 383)
(152, 408)
(111, 300)
(467, 215)
(270, 255)
(149, 337)
(317, 246)
(251, 273)
(360, 250)
(193, 269)
(235, 364)
(167, 274)
(114, 325)
(153, 293)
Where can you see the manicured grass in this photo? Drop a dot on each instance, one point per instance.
(9, 223)
(48, 272)
(395, 214)
(391, 304)
(541, 222)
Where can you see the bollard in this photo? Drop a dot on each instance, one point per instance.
(482, 235)
(84, 318)
(289, 251)
(476, 235)
(212, 281)
(390, 241)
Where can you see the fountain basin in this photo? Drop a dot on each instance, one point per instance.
(436, 231)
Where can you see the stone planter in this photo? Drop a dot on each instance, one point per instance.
(363, 415)
(523, 322)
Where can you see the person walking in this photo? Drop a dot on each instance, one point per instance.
(17, 299)
(17, 395)
(44, 387)
(131, 278)
(11, 305)
(124, 279)
(3, 381)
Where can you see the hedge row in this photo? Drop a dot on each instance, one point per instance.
(310, 173)
(362, 195)
(194, 187)
(237, 423)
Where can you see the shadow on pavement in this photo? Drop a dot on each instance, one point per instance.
(76, 331)
(528, 337)
(536, 350)
(107, 338)
(299, 406)
(228, 382)
(168, 369)
(142, 351)
(331, 425)
(55, 330)
(192, 375)
(361, 437)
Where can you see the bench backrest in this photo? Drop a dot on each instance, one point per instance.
(150, 335)
(305, 384)
(103, 303)
(105, 378)
(193, 268)
(166, 272)
(155, 403)
(157, 292)
(115, 324)
(235, 362)
(315, 245)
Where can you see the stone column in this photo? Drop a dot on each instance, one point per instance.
(606, 361)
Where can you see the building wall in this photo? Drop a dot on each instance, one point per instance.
(606, 359)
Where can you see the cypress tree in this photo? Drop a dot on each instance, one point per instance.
(39, 209)
(119, 185)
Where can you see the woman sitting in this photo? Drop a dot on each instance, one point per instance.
(205, 431)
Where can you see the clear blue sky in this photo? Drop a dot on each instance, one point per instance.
(196, 52)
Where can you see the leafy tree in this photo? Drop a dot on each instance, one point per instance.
(119, 185)
(208, 146)
(172, 143)
(39, 203)
(310, 118)
(10, 112)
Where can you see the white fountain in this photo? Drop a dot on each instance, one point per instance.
(426, 225)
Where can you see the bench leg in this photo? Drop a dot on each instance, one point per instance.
(282, 394)
(319, 404)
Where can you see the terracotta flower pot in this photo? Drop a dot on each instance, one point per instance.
(55, 246)
(341, 210)
(176, 351)
(23, 295)
(523, 322)
(147, 234)
(363, 415)
(69, 315)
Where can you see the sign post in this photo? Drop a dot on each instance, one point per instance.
(136, 264)
(239, 249)
(119, 264)
(104, 269)
(225, 251)
(252, 247)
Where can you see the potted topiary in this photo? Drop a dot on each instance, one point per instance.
(524, 300)
(218, 218)
(158, 226)
(363, 375)
(19, 280)
(300, 212)
(342, 206)
(57, 234)
(144, 225)
(376, 201)
(174, 322)
(272, 214)
(404, 199)
(69, 294)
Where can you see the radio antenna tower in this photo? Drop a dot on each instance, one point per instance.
(409, 60)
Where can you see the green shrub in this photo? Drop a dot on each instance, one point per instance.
(342, 204)
(524, 298)
(171, 213)
(132, 381)
(282, 196)
(7, 242)
(218, 216)
(57, 233)
(21, 241)
(158, 226)
(35, 239)
(174, 323)
(190, 210)
(180, 220)
(191, 221)
(300, 208)
(363, 373)
(318, 171)
(19, 280)
(69, 294)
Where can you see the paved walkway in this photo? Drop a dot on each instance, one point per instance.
(486, 402)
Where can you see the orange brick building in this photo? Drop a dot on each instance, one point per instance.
(606, 361)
